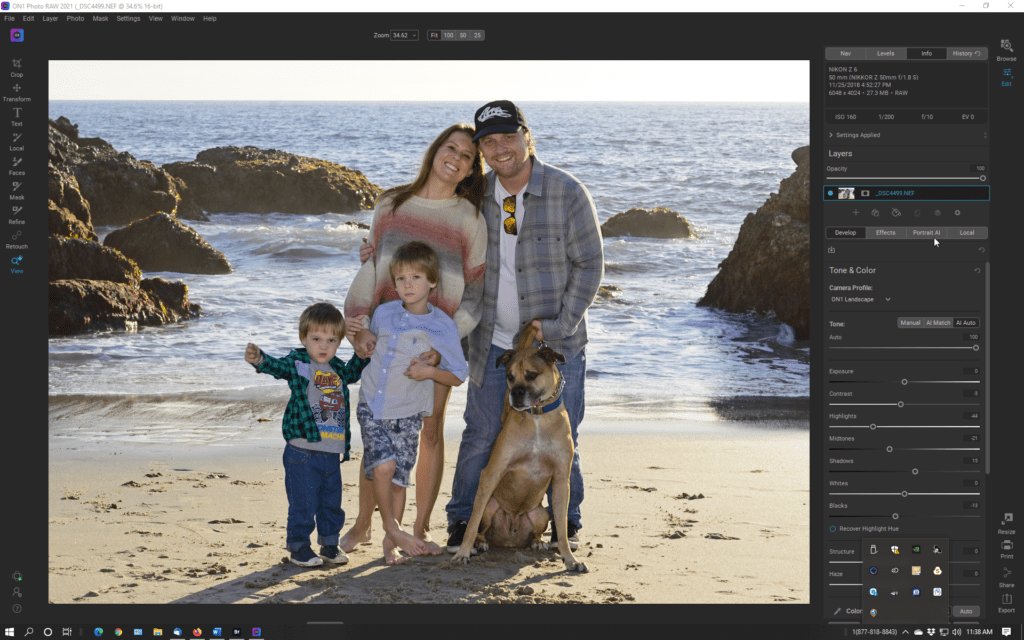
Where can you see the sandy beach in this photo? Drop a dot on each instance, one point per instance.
(706, 510)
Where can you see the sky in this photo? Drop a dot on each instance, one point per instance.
(419, 80)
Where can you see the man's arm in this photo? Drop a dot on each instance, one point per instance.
(585, 251)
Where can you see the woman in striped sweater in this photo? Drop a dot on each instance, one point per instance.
(442, 208)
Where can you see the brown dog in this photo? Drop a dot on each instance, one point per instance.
(533, 450)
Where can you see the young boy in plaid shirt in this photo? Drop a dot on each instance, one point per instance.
(316, 427)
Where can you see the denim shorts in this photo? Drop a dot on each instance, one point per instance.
(385, 440)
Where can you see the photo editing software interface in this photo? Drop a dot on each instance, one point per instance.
(802, 419)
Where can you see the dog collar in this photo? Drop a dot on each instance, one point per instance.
(554, 405)
(546, 408)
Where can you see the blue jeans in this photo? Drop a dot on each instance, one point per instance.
(312, 480)
(483, 423)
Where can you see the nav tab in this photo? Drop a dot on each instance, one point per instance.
(845, 53)
(405, 35)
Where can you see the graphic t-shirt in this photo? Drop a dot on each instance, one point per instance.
(327, 402)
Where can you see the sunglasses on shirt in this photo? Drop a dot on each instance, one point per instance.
(509, 205)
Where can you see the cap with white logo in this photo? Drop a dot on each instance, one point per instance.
(500, 116)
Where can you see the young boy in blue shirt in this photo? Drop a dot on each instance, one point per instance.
(395, 396)
(316, 427)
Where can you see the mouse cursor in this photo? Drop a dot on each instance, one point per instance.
(936, 242)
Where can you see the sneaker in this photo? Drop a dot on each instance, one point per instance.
(333, 554)
(456, 533)
(305, 557)
(574, 538)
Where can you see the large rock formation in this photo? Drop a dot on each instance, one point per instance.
(94, 287)
(252, 180)
(768, 268)
(161, 243)
(77, 306)
(647, 223)
(72, 258)
(794, 196)
(65, 195)
(118, 188)
(62, 222)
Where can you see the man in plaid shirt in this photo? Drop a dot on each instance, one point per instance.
(545, 259)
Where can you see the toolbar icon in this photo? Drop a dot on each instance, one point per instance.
(17, 35)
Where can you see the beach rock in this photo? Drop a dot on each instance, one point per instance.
(253, 180)
(768, 268)
(188, 203)
(63, 191)
(162, 243)
(118, 187)
(658, 222)
(62, 222)
(77, 306)
(74, 258)
(794, 196)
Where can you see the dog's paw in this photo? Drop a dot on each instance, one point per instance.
(578, 567)
(539, 545)
(480, 547)
(460, 557)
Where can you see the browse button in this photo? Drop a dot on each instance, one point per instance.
(967, 611)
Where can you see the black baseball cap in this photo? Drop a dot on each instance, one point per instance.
(500, 116)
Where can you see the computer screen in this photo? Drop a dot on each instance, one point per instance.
(683, 314)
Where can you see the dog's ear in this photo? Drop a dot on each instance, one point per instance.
(549, 355)
(504, 358)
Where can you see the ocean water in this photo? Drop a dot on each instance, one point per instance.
(652, 351)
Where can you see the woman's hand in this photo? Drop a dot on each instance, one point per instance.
(353, 326)
(364, 343)
(365, 251)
